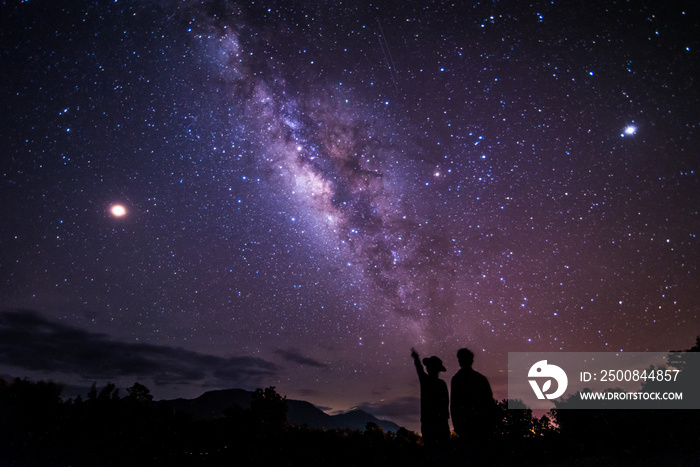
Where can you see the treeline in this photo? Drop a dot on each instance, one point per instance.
(39, 427)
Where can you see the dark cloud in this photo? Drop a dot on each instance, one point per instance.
(31, 342)
(294, 357)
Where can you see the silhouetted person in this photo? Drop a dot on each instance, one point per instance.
(434, 405)
(472, 406)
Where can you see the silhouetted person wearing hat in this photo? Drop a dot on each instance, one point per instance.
(472, 405)
(434, 405)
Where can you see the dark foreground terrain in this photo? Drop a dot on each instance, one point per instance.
(38, 427)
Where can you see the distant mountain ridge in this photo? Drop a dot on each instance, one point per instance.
(212, 404)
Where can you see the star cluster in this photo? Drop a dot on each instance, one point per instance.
(321, 187)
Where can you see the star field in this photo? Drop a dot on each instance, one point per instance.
(316, 188)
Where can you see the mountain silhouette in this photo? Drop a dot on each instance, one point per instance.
(212, 404)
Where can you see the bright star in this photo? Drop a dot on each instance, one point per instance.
(118, 210)
(630, 130)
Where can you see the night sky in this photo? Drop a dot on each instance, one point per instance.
(309, 189)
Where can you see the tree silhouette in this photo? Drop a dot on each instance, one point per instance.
(269, 408)
(110, 391)
(92, 393)
(139, 393)
(30, 416)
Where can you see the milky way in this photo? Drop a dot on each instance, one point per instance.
(340, 160)
(316, 188)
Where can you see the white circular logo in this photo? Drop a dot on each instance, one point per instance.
(546, 372)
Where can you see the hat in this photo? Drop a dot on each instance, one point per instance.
(434, 362)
